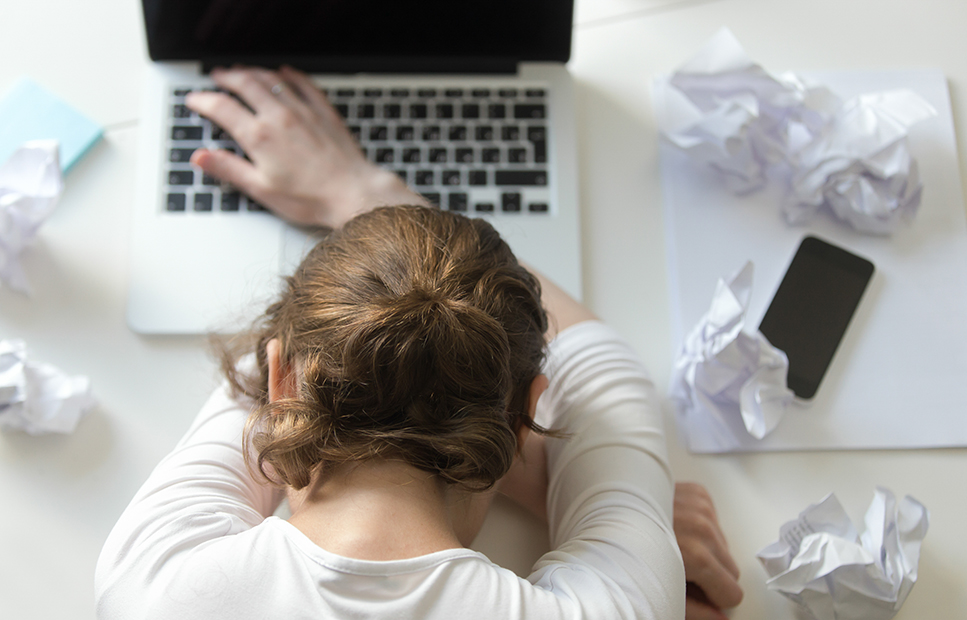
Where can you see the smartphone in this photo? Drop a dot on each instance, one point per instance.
(812, 308)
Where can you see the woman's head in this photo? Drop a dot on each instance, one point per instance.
(412, 334)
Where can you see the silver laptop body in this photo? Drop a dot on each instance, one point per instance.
(206, 259)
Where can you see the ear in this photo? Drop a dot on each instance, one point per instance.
(538, 385)
(281, 380)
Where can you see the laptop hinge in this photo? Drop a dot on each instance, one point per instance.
(372, 64)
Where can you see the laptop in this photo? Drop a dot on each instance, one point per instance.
(469, 102)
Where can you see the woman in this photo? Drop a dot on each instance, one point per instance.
(391, 388)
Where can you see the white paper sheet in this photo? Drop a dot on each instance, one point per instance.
(896, 379)
(833, 573)
(30, 184)
(37, 398)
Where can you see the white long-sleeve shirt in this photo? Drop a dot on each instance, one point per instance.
(198, 541)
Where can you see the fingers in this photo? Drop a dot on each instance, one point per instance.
(695, 610)
(695, 515)
(703, 568)
(708, 563)
(229, 168)
(307, 90)
(247, 84)
(221, 109)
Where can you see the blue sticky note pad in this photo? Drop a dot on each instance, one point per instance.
(28, 112)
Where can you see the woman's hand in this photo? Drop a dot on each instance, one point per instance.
(711, 574)
(305, 165)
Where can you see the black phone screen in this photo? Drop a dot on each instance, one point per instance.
(812, 308)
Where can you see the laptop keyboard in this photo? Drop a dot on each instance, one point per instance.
(475, 150)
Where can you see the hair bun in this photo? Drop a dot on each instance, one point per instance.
(425, 356)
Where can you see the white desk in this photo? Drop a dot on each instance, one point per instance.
(61, 495)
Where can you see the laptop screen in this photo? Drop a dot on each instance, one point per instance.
(360, 35)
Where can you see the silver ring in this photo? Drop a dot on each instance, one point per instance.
(277, 89)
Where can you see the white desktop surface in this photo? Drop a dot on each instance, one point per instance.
(61, 495)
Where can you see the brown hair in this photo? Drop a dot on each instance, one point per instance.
(415, 334)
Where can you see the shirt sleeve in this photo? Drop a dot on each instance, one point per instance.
(610, 493)
(201, 491)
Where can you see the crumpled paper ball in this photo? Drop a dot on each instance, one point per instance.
(38, 398)
(30, 184)
(851, 157)
(724, 371)
(833, 573)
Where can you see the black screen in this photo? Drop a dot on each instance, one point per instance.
(393, 30)
(812, 308)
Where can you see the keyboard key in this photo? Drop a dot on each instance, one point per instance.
(399, 92)
(401, 174)
(405, 133)
(444, 110)
(510, 202)
(342, 110)
(517, 155)
(181, 92)
(418, 110)
(537, 207)
(431, 133)
(181, 177)
(530, 110)
(484, 133)
(536, 133)
(175, 202)
(510, 133)
(254, 206)
(484, 207)
(454, 92)
(346, 92)
(392, 110)
(181, 111)
(433, 198)
(520, 177)
(373, 92)
(203, 202)
(450, 177)
(356, 131)
(209, 180)
(477, 177)
(507, 92)
(365, 110)
(457, 133)
(457, 201)
(180, 155)
(378, 132)
(385, 156)
(438, 155)
(464, 155)
(540, 152)
(192, 132)
(490, 156)
(496, 110)
(230, 201)
(480, 92)
(426, 92)
(411, 155)
(470, 110)
(219, 134)
(424, 177)
(535, 92)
